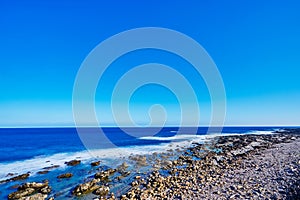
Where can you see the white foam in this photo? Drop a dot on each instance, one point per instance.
(36, 164)
(261, 132)
(172, 138)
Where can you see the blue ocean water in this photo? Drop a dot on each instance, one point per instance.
(25, 143)
(30, 149)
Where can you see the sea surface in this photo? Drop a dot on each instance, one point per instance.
(25, 150)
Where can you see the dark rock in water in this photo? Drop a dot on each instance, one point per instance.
(16, 178)
(66, 175)
(43, 172)
(96, 163)
(20, 177)
(28, 189)
(87, 187)
(51, 167)
(10, 174)
(73, 162)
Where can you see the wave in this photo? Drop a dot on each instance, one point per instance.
(110, 157)
(176, 137)
(261, 132)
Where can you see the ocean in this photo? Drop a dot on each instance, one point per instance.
(25, 150)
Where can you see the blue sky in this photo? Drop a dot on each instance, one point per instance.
(255, 45)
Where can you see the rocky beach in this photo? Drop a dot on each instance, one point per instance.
(244, 166)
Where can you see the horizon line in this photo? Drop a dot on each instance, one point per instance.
(169, 126)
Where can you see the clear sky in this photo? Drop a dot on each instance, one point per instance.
(255, 45)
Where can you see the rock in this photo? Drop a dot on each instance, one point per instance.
(45, 190)
(219, 158)
(51, 167)
(33, 185)
(255, 144)
(66, 175)
(10, 174)
(43, 172)
(73, 162)
(242, 151)
(103, 175)
(102, 191)
(37, 196)
(16, 178)
(20, 177)
(122, 167)
(21, 193)
(140, 160)
(25, 190)
(96, 163)
(87, 187)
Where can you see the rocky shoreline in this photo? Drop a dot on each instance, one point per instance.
(227, 167)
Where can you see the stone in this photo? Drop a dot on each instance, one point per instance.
(37, 196)
(21, 193)
(27, 189)
(43, 172)
(85, 188)
(73, 162)
(103, 175)
(66, 175)
(9, 174)
(96, 163)
(102, 191)
(51, 167)
(122, 167)
(16, 178)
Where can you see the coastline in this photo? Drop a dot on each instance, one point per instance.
(221, 168)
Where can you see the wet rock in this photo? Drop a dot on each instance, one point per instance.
(33, 185)
(37, 196)
(9, 174)
(21, 193)
(28, 189)
(66, 175)
(102, 191)
(122, 167)
(16, 178)
(51, 167)
(85, 188)
(96, 163)
(73, 162)
(104, 175)
(43, 172)
(140, 160)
